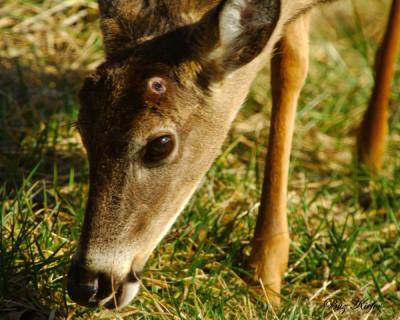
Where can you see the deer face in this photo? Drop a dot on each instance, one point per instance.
(148, 147)
(152, 120)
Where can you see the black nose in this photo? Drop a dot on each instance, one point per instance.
(86, 287)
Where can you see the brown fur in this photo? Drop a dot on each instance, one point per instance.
(372, 136)
(271, 237)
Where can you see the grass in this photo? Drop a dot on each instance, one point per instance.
(345, 242)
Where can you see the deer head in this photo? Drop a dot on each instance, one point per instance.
(153, 118)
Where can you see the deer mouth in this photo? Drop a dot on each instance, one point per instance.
(124, 294)
(93, 289)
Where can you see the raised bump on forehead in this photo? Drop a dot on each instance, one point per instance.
(157, 85)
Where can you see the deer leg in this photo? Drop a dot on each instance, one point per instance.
(271, 239)
(373, 131)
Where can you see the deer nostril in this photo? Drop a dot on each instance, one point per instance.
(105, 287)
(83, 286)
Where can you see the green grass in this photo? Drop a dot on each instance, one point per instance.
(344, 227)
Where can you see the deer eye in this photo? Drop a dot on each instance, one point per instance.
(159, 148)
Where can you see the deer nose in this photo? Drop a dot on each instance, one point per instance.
(86, 287)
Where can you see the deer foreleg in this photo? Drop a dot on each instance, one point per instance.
(271, 239)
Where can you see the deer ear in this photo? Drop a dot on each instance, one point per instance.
(244, 28)
(117, 18)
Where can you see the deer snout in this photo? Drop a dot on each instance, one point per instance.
(91, 289)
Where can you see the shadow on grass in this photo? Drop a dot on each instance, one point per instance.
(43, 174)
(38, 110)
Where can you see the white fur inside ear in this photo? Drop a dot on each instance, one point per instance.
(229, 24)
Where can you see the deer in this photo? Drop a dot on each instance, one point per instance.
(154, 115)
